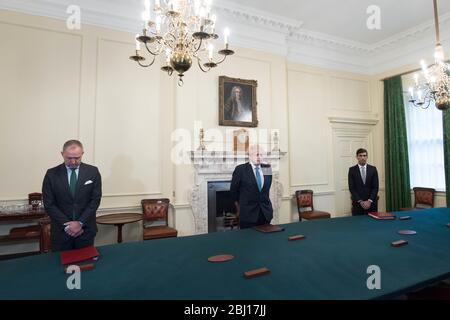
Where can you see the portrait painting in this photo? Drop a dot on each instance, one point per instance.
(237, 102)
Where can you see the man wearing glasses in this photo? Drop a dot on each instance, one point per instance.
(72, 192)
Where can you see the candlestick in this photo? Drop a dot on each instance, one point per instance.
(226, 33)
(138, 44)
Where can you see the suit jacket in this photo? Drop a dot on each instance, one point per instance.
(358, 189)
(62, 207)
(244, 190)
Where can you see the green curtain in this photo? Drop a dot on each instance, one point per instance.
(395, 147)
(446, 124)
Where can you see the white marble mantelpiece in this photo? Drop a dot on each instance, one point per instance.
(219, 166)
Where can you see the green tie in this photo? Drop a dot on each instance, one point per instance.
(73, 182)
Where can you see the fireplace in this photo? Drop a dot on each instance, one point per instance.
(221, 208)
(210, 199)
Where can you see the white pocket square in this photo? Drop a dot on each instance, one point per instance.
(88, 182)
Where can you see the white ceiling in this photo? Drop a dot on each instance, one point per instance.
(326, 33)
(347, 18)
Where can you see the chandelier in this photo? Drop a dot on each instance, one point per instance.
(182, 30)
(435, 86)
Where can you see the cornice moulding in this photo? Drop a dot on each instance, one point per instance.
(348, 120)
(415, 32)
(260, 30)
(257, 17)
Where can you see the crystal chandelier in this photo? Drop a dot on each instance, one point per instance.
(183, 30)
(435, 86)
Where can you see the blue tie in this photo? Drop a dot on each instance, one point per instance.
(258, 178)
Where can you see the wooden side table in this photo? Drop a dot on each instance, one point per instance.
(119, 219)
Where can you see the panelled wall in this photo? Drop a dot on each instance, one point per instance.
(196, 105)
(331, 115)
(57, 84)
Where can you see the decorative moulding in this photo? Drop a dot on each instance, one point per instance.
(317, 194)
(261, 30)
(102, 211)
(347, 120)
(219, 166)
(259, 18)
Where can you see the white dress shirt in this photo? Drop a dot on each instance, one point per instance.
(260, 173)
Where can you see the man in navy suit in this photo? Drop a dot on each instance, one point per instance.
(250, 188)
(363, 185)
(72, 192)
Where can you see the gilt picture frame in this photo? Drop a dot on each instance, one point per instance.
(237, 102)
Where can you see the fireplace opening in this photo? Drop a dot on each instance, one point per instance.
(221, 208)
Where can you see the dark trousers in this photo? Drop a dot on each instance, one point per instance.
(67, 242)
(357, 210)
(261, 220)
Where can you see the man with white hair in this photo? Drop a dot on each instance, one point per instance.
(250, 187)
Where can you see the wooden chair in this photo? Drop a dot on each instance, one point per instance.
(40, 232)
(305, 206)
(35, 199)
(45, 243)
(28, 232)
(155, 219)
(231, 220)
(423, 198)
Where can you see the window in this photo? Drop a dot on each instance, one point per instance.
(425, 144)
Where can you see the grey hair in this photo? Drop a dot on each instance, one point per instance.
(70, 143)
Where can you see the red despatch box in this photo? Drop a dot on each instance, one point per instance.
(256, 272)
(78, 255)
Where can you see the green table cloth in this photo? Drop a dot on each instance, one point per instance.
(331, 263)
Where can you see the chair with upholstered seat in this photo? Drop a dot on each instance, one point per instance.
(423, 198)
(305, 206)
(155, 219)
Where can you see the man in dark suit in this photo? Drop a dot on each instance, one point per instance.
(363, 185)
(72, 192)
(250, 188)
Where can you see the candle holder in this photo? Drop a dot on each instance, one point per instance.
(276, 145)
(201, 146)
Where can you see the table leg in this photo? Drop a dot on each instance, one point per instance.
(119, 232)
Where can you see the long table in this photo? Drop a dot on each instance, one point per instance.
(331, 263)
